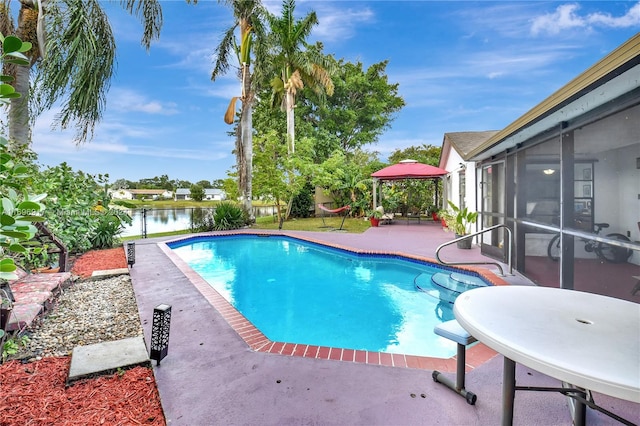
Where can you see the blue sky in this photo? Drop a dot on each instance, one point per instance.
(460, 65)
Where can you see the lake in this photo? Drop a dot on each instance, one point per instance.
(174, 219)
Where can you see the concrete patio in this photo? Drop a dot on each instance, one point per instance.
(211, 376)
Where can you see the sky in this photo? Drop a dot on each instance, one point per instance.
(460, 66)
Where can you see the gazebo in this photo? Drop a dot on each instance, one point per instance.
(405, 169)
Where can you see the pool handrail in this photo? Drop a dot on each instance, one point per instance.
(491, 228)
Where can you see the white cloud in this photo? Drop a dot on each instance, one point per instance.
(335, 22)
(340, 24)
(132, 101)
(566, 17)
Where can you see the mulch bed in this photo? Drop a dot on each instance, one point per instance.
(36, 392)
(97, 260)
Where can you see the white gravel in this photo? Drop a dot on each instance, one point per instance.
(88, 312)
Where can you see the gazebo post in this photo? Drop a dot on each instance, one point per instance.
(375, 184)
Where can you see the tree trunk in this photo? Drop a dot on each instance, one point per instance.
(19, 127)
(290, 104)
(246, 156)
(19, 117)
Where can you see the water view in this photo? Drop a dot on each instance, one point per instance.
(174, 219)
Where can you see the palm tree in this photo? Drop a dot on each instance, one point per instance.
(248, 14)
(73, 59)
(297, 65)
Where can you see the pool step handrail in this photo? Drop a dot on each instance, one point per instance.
(491, 228)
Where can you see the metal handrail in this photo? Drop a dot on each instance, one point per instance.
(491, 228)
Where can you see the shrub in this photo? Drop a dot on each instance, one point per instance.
(107, 227)
(302, 204)
(229, 216)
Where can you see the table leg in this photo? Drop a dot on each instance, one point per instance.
(508, 391)
(577, 407)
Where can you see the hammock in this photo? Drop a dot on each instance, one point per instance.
(334, 211)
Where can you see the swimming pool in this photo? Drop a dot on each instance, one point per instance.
(307, 293)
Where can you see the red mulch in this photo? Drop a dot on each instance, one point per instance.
(97, 260)
(36, 393)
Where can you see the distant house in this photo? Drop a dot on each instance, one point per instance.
(130, 194)
(121, 194)
(210, 194)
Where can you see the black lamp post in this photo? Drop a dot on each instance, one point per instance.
(131, 253)
(160, 332)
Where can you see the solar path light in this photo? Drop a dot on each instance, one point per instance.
(160, 332)
(131, 253)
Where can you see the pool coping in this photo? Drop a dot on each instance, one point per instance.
(476, 354)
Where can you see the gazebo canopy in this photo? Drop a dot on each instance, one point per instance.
(409, 169)
(406, 169)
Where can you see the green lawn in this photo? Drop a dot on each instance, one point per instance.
(331, 224)
(353, 225)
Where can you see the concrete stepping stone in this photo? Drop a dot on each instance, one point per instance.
(109, 273)
(106, 357)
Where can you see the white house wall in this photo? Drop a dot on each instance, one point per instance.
(453, 191)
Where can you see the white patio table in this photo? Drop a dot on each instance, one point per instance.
(586, 340)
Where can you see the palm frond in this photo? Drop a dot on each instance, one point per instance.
(80, 60)
(150, 14)
(222, 53)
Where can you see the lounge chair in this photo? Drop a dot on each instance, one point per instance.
(386, 218)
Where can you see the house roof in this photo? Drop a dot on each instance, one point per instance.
(148, 191)
(207, 191)
(465, 142)
(615, 75)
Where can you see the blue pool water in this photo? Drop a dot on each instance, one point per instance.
(300, 292)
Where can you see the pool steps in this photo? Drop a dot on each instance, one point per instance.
(447, 286)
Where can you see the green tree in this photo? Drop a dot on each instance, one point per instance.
(73, 59)
(121, 184)
(426, 154)
(74, 204)
(204, 183)
(196, 192)
(217, 183)
(362, 107)
(347, 178)
(230, 188)
(248, 15)
(279, 177)
(294, 64)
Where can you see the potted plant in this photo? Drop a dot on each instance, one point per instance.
(461, 224)
(433, 212)
(444, 216)
(374, 217)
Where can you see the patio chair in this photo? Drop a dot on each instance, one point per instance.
(452, 330)
(386, 218)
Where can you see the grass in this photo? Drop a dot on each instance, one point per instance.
(313, 224)
(160, 234)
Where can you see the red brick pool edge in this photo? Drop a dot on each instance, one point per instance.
(476, 355)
